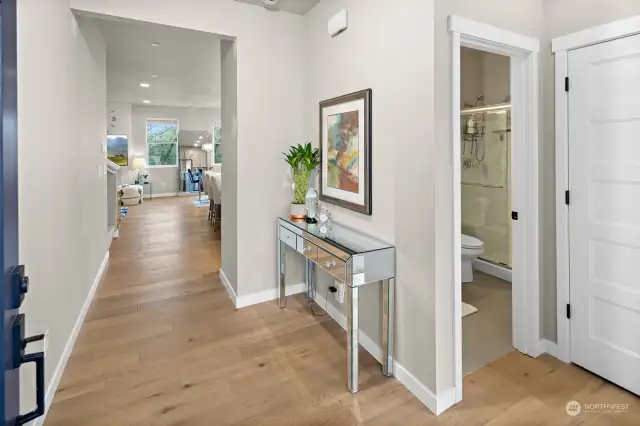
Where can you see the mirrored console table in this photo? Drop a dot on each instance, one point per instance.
(354, 259)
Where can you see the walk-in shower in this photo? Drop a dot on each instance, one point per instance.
(486, 171)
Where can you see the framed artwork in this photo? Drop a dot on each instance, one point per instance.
(345, 150)
(118, 149)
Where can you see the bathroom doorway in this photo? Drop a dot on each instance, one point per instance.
(485, 163)
(495, 195)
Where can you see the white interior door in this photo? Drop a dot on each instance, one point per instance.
(604, 210)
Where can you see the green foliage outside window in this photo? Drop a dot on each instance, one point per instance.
(162, 143)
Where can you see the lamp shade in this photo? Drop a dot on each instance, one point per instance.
(139, 163)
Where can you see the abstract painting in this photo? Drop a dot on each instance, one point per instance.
(345, 147)
(343, 150)
(118, 149)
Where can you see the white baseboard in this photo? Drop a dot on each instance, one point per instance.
(417, 388)
(437, 405)
(492, 269)
(227, 285)
(57, 375)
(268, 295)
(548, 347)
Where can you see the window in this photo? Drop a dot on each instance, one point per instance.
(217, 143)
(162, 142)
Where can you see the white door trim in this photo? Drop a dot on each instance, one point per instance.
(524, 98)
(561, 46)
(600, 34)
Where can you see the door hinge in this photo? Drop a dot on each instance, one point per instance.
(566, 84)
(566, 197)
(568, 310)
(514, 215)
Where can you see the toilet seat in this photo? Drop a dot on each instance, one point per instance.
(469, 242)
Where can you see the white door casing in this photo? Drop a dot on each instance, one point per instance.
(604, 210)
(523, 52)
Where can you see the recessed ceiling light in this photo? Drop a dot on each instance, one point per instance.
(154, 75)
(201, 137)
(155, 44)
(146, 101)
(195, 144)
(145, 85)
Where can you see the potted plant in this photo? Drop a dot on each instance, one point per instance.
(302, 159)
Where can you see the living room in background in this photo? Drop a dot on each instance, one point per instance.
(162, 142)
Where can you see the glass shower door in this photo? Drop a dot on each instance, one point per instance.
(486, 198)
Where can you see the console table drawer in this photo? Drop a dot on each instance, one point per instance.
(332, 264)
(309, 250)
(288, 237)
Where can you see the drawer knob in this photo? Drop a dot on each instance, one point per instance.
(304, 249)
(331, 264)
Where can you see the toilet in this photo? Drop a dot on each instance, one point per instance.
(471, 249)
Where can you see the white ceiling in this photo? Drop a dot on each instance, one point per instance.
(189, 138)
(187, 64)
(299, 7)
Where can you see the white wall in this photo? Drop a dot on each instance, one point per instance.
(271, 51)
(229, 231)
(118, 118)
(62, 186)
(527, 19)
(397, 64)
(164, 180)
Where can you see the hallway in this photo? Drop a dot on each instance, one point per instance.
(162, 344)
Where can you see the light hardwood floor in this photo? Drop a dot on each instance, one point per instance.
(163, 345)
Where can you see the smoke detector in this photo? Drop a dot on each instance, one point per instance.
(270, 2)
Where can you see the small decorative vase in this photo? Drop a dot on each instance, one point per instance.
(298, 211)
(311, 202)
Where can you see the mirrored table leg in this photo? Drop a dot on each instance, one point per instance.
(352, 337)
(311, 279)
(388, 292)
(282, 301)
(314, 278)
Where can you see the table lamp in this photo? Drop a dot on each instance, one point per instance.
(139, 163)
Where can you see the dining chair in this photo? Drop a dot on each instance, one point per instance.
(216, 195)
